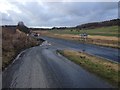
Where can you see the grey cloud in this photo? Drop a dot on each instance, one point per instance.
(62, 13)
(6, 19)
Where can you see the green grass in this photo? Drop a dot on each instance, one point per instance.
(101, 67)
(103, 31)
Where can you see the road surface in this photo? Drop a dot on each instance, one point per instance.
(42, 67)
(105, 52)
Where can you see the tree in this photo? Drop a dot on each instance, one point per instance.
(23, 28)
(20, 23)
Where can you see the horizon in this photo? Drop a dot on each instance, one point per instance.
(56, 26)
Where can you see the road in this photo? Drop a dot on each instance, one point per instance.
(42, 67)
(105, 52)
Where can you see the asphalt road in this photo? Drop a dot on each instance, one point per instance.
(105, 52)
(42, 67)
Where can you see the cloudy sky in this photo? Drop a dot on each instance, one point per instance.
(48, 14)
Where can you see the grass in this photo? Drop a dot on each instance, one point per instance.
(103, 68)
(103, 31)
(104, 36)
(107, 41)
(13, 43)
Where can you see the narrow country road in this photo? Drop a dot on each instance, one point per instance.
(105, 52)
(42, 67)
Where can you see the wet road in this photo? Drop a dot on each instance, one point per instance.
(105, 52)
(42, 67)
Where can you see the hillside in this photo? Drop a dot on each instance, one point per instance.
(13, 42)
(93, 25)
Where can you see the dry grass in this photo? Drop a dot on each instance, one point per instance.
(108, 41)
(13, 43)
(104, 37)
(105, 69)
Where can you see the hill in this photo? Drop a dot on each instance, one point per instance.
(93, 25)
(13, 42)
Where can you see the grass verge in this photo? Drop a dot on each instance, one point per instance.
(103, 68)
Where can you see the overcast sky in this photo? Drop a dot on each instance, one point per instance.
(49, 14)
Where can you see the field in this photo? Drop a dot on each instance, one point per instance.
(105, 36)
(103, 31)
(99, 66)
(13, 42)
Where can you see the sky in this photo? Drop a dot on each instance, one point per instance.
(38, 13)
